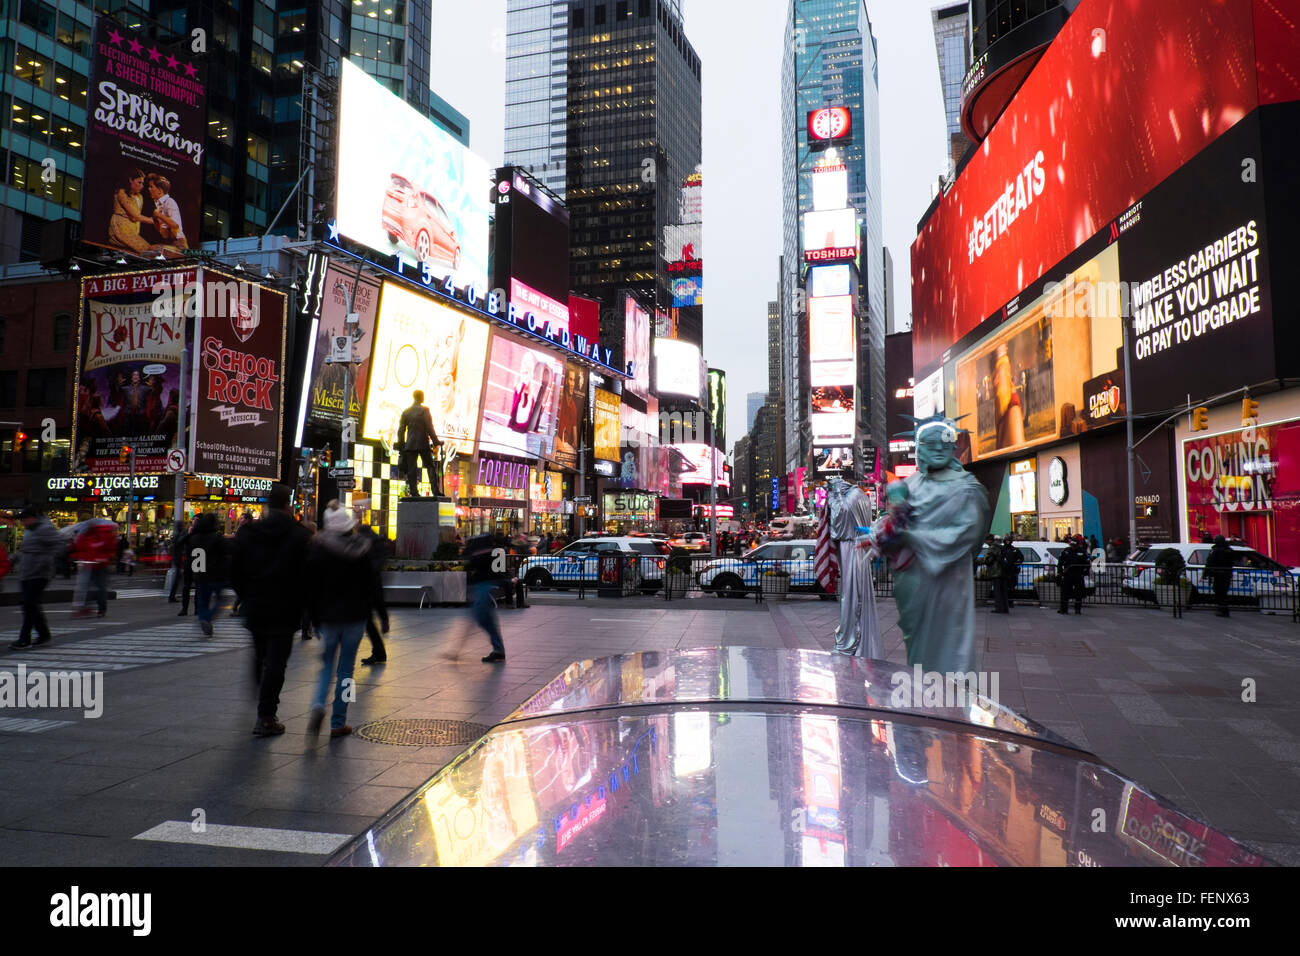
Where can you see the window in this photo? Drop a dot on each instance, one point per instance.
(600, 15)
(75, 36)
(31, 460)
(55, 455)
(9, 389)
(39, 16)
(622, 13)
(46, 386)
(62, 332)
(258, 149)
(579, 18)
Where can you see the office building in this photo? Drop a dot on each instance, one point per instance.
(952, 46)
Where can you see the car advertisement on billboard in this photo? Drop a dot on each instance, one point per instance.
(128, 364)
(1095, 126)
(423, 344)
(328, 380)
(237, 389)
(636, 347)
(407, 188)
(521, 401)
(677, 368)
(146, 126)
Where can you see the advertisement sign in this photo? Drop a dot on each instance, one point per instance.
(677, 368)
(718, 406)
(927, 396)
(830, 187)
(832, 428)
(146, 126)
(412, 191)
(684, 245)
(128, 364)
(1024, 487)
(422, 344)
(831, 125)
(494, 472)
(584, 319)
(325, 398)
(521, 403)
(698, 455)
(830, 329)
(833, 231)
(573, 413)
(1231, 473)
(688, 290)
(1049, 176)
(690, 208)
(636, 347)
(237, 388)
(832, 460)
(531, 247)
(96, 488)
(825, 281)
(607, 408)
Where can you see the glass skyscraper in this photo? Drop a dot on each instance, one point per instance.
(952, 47)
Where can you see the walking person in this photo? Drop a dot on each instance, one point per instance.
(378, 555)
(1011, 561)
(178, 560)
(39, 559)
(186, 548)
(211, 568)
(122, 544)
(483, 553)
(94, 545)
(1218, 566)
(1073, 564)
(343, 585)
(267, 572)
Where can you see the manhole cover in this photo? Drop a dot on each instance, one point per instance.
(422, 733)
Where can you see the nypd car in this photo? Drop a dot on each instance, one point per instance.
(736, 577)
(1256, 578)
(579, 563)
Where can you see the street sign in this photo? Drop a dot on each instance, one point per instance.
(582, 499)
(347, 484)
(342, 473)
(176, 461)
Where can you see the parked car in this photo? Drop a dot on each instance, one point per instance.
(823, 761)
(579, 563)
(415, 218)
(735, 577)
(1253, 575)
(1039, 559)
(691, 541)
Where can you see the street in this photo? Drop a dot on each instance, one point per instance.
(171, 775)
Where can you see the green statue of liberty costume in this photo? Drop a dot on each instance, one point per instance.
(940, 515)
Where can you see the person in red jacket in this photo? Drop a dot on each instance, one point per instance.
(94, 549)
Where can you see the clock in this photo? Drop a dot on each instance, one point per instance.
(831, 122)
(1057, 488)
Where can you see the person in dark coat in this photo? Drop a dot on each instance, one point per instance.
(210, 565)
(267, 571)
(487, 557)
(992, 561)
(1073, 565)
(1011, 561)
(417, 439)
(378, 555)
(343, 586)
(1218, 567)
(42, 553)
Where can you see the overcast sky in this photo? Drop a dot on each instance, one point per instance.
(740, 59)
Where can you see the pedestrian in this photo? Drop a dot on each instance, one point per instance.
(267, 572)
(211, 568)
(128, 558)
(1218, 565)
(177, 562)
(122, 544)
(1072, 565)
(343, 585)
(486, 554)
(187, 568)
(992, 561)
(1092, 544)
(94, 545)
(1011, 561)
(378, 557)
(39, 559)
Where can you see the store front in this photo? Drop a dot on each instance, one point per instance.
(491, 496)
(629, 511)
(1060, 494)
(551, 513)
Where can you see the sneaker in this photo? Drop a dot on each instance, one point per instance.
(315, 720)
(374, 660)
(340, 731)
(206, 628)
(494, 657)
(42, 640)
(20, 645)
(267, 728)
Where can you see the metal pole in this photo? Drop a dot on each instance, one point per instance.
(178, 495)
(713, 484)
(1128, 424)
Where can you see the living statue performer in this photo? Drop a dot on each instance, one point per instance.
(858, 634)
(937, 519)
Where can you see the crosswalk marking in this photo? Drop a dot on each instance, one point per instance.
(29, 725)
(246, 838)
(126, 651)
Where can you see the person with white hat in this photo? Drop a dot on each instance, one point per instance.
(343, 584)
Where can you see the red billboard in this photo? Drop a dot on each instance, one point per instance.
(1125, 95)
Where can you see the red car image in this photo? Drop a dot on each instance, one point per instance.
(417, 219)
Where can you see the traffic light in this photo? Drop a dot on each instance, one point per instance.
(1249, 410)
(1200, 418)
(20, 441)
(124, 455)
(327, 456)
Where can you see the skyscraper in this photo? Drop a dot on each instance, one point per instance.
(952, 46)
(537, 84)
(830, 61)
(753, 402)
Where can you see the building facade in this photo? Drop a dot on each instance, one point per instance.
(952, 47)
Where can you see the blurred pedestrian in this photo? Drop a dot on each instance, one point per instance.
(39, 559)
(177, 561)
(267, 571)
(122, 544)
(187, 568)
(129, 559)
(1073, 565)
(211, 568)
(378, 557)
(307, 634)
(487, 561)
(343, 585)
(94, 545)
(1218, 566)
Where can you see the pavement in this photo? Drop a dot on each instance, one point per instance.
(170, 774)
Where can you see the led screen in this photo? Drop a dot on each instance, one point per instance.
(830, 281)
(677, 368)
(830, 328)
(830, 188)
(607, 425)
(521, 401)
(830, 229)
(697, 456)
(636, 347)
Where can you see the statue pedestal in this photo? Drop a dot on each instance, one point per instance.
(422, 525)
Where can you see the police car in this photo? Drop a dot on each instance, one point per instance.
(579, 563)
(735, 577)
(1255, 577)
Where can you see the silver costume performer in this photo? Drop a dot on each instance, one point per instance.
(858, 633)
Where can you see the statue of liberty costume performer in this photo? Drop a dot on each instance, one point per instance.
(937, 520)
(858, 634)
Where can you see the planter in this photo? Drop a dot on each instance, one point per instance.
(775, 586)
(677, 583)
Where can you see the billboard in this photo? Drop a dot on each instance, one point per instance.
(128, 371)
(146, 126)
(688, 290)
(830, 187)
(406, 187)
(325, 402)
(677, 368)
(684, 244)
(521, 400)
(832, 232)
(697, 470)
(829, 126)
(718, 406)
(532, 247)
(826, 281)
(237, 388)
(584, 318)
(636, 347)
(830, 329)
(607, 418)
(832, 428)
(1092, 129)
(422, 344)
(572, 415)
(832, 460)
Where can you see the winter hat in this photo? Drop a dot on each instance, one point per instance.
(338, 520)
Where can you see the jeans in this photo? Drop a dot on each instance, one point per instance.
(207, 597)
(269, 661)
(425, 457)
(90, 578)
(341, 639)
(33, 616)
(485, 614)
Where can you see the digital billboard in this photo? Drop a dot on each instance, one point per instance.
(826, 281)
(677, 368)
(688, 290)
(531, 247)
(342, 287)
(423, 344)
(830, 328)
(636, 347)
(830, 187)
(833, 232)
(829, 125)
(684, 246)
(406, 187)
(521, 400)
(832, 460)
(572, 415)
(718, 406)
(832, 428)
(1093, 128)
(146, 126)
(699, 471)
(128, 381)
(607, 424)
